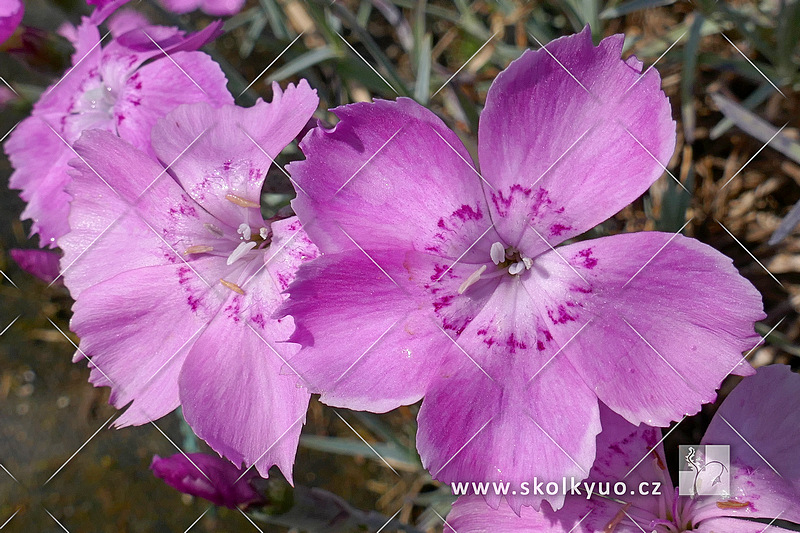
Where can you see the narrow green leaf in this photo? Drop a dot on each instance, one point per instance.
(302, 62)
(633, 6)
(393, 455)
(689, 71)
(756, 98)
(276, 22)
(422, 88)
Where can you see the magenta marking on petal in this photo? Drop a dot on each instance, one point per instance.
(441, 303)
(465, 212)
(561, 315)
(502, 204)
(514, 344)
(557, 229)
(260, 320)
(585, 256)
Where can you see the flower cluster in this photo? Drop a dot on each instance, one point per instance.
(406, 272)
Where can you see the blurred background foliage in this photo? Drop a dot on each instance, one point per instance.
(731, 70)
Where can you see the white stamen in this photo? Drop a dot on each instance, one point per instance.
(497, 253)
(472, 279)
(245, 231)
(213, 229)
(516, 268)
(240, 250)
(264, 232)
(528, 262)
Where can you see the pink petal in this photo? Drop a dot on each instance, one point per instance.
(502, 410)
(11, 12)
(40, 263)
(736, 525)
(181, 6)
(382, 358)
(126, 20)
(354, 194)
(557, 154)
(222, 7)
(119, 339)
(231, 387)
(764, 412)
(223, 160)
(127, 213)
(471, 514)
(159, 87)
(670, 323)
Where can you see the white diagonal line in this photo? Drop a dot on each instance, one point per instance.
(91, 361)
(753, 64)
(79, 156)
(558, 254)
(8, 85)
(658, 354)
(563, 154)
(648, 69)
(367, 350)
(465, 64)
(176, 253)
(754, 156)
(249, 519)
(654, 448)
(271, 63)
(462, 447)
(3, 138)
(293, 424)
(176, 64)
(285, 362)
(464, 160)
(56, 519)
(198, 519)
(365, 442)
(64, 271)
(750, 445)
(585, 473)
(560, 64)
(761, 340)
(164, 171)
(369, 256)
(390, 519)
(464, 253)
(463, 351)
(749, 253)
(181, 451)
(772, 522)
(560, 349)
(105, 424)
(67, 73)
(11, 281)
(367, 161)
(11, 475)
(10, 517)
(581, 520)
(443, 520)
(632, 520)
(367, 63)
(296, 185)
(658, 252)
(671, 175)
(8, 326)
(190, 339)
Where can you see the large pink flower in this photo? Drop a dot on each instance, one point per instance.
(123, 87)
(759, 421)
(176, 275)
(441, 282)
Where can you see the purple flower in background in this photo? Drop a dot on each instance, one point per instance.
(40, 263)
(11, 12)
(443, 283)
(218, 8)
(759, 421)
(123, 87)
(209, 477)
(176, 275)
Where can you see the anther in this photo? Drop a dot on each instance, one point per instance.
(198, 249)
(213, 229)
(232, 286)
(242, 202)
(497, 253)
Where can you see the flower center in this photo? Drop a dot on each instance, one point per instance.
(101, 99)
(506, 259)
